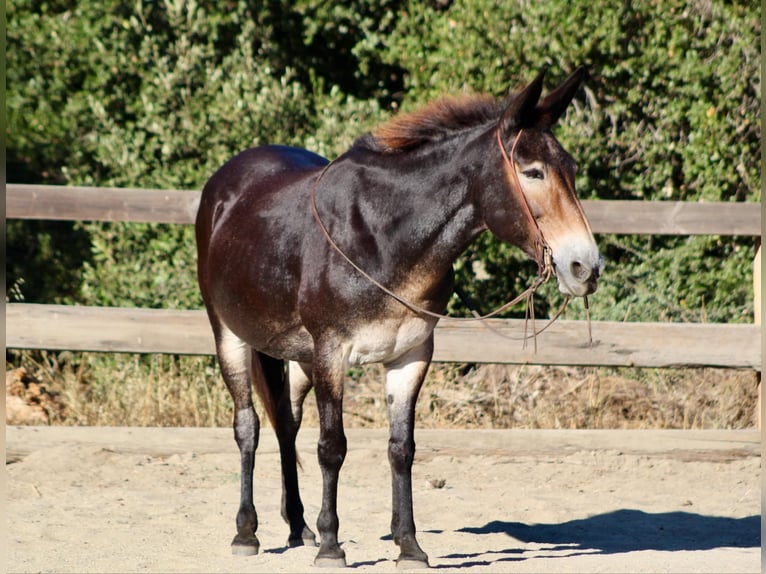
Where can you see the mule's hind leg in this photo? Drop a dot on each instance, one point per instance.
(289, 393)
(235, 360)
(404, 377)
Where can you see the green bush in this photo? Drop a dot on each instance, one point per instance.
(159, 95)
(671, 112)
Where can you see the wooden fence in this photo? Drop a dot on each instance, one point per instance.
(30, 326)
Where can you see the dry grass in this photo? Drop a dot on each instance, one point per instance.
(507, 396)
(125, 389)
(162, 390)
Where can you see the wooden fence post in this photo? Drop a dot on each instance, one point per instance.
(757, 320)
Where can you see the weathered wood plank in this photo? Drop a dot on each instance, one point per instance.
(111, 329)
(674, 217)
(100, 204)
(614, 344)
(564, 343)
(176, 206)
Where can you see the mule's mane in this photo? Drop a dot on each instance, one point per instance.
(433, 122)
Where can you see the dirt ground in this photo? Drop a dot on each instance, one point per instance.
(164, 500)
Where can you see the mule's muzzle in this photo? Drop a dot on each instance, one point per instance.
(586, 274)
(579, 276)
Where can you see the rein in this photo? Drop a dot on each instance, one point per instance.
(543, 256)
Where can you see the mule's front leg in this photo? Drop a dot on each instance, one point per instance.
(403, 381)
(331, 451)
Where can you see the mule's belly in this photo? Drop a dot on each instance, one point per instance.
(379, 341)
(387, 340)
(277, 337)
(291, 344)
(263, 308)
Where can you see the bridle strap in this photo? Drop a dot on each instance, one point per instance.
(542, 249)
(545, 267)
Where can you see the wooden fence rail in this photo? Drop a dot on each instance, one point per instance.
(177, 206)
(564, 343)
(113, 329)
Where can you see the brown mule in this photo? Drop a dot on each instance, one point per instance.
(289, 312)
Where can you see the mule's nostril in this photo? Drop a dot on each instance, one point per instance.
(580, 271)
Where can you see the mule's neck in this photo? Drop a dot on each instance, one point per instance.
(413, 212)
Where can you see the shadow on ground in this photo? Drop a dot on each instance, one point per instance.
(629, 530)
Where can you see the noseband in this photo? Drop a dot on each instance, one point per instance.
(543, 254)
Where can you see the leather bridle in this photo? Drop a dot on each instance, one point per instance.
(543, 252)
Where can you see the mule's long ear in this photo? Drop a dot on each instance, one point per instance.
(521, 111)
(555, 103)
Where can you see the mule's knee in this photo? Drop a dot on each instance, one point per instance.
(332, 452)
(246, 429)
(401, 454)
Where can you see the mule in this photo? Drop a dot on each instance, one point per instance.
(308, 267)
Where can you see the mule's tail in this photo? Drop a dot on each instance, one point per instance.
(268, 382)
(270, 385)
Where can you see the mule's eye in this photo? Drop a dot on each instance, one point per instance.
(533, 173)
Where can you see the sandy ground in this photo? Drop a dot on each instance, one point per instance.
(164, 500)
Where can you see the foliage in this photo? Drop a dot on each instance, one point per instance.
(44, 260)
(160, 94)
(162, 271)
(670, 112)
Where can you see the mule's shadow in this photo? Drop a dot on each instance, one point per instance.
(628, 530)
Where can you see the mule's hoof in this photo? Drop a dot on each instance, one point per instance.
(338, 561)
(245, 546)
(330, 562)
(244, 549)
(411, 564)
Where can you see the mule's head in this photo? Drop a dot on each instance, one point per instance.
(545, 173)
